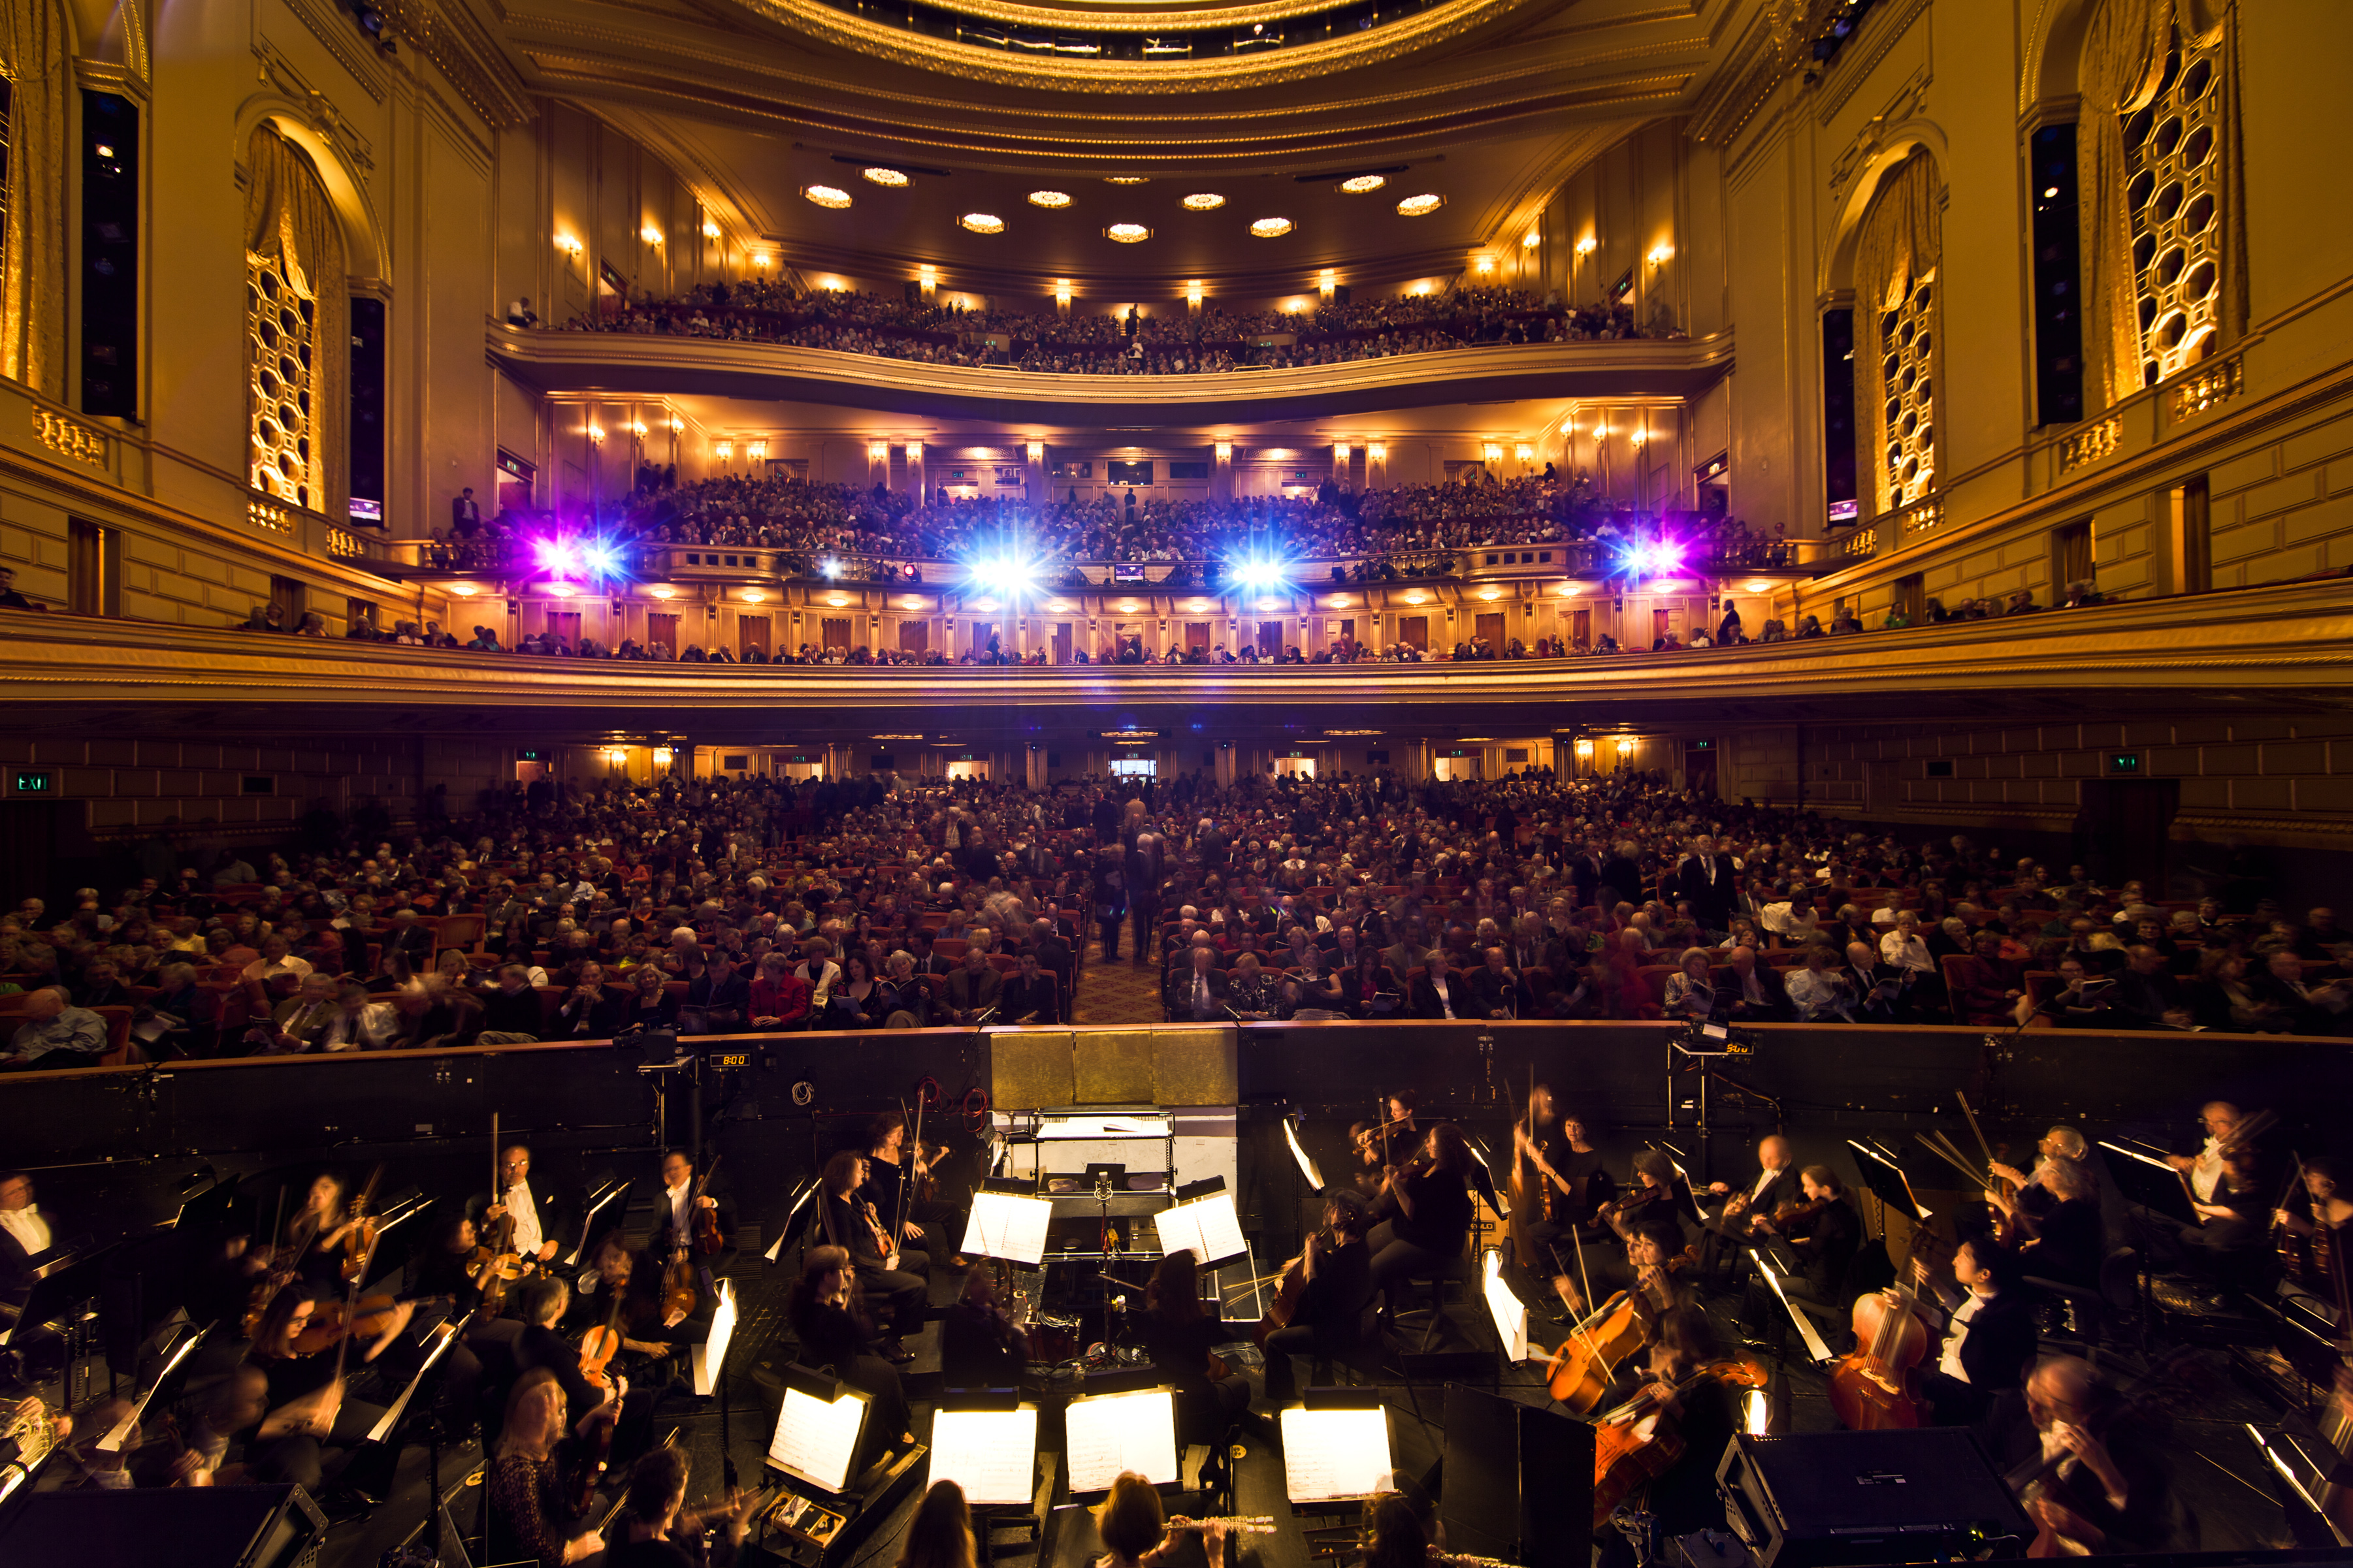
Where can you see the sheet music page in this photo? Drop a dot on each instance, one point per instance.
(1180, 1231)
(1511, 1318)
(1329, 1455)
(708, 1357)
(1007, 1226)
(1115, 1432)
(816, 1441)
(1222, 1227)
(991, 1453)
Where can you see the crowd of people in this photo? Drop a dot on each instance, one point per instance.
(1130, 342)
(727, 907)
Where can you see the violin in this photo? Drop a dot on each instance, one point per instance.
(601, 1344)
(1637, 1443)
(335, 1320)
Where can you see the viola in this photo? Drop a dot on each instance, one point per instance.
(601, 1344)
(1580, 1372)
(1637, 1443)
(1871, 1389)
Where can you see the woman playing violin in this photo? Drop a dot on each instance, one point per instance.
(1431, 1199)
(883, 1267)
(307, 1412)
(2321, 1230)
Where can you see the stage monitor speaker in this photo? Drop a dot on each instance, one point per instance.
(1819, 1499)
(1518, 1482)
(206, 1527)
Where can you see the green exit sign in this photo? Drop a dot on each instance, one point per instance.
(35, 781)
(2126, 763)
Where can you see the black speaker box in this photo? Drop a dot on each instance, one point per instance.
(1518, 1482)
(195, 1527)
(1819, 1499)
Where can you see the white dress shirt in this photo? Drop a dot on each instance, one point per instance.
(1764, 1179)
(677, 1198)
(1956, 1330)
(527, 1238)
(1445, 998)
(2205, 1176)
(25, 1224)
(1912, 954)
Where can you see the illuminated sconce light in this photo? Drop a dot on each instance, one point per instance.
(1037, 451)
(1584, 749)
(753, 595)
(1327, 282)
(1625, 745)
(1490, 594)
(650, 234)
(835, 600)
(662, 755)
(1062, 294)
(596, 433)
(1639, 436)
(710, 229)
(1224, 450)
(928, 279)
(1338, 600)
(1193, 295)
(1571, 589)
(1486, 264)
(1588, 246)
(757, 451)
(1531, 239)
(616, 756)
(1568, 427)
(1524, 452)
(1660, 252)
(570, 245)
(877, 451)
(1416, 597)
(664, 591)
(761, 258)
(1377, 452)
(723, 450)
(463, 590)
(1341, 451)
(1492, 451)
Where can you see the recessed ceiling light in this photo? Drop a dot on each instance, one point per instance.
(827, 196)
(1420, 206)
(1363, 183)
(1128, 232)
(1270, 227)
(1050, 198)
(890, 178)
(1125, 180)
(983, 223)
(1204, 202)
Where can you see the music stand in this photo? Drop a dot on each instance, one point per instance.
(795, 1217)
(706, 1359)
(65, 1283)
(1203, 1222)
(1107, 1433)
(2151, 1183)
(1510, 1313)
(1335, 1447)
(1007, 1223)
(818, 1428)
(1886, 1181)
(991, 1453)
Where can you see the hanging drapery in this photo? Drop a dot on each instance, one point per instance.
(32, 270)
(298, 313)
(1898, 351)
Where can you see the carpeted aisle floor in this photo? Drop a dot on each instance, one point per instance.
(1115, 993)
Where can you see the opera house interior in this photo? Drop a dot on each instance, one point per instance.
(977, 686)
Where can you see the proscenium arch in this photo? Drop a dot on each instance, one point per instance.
(1900, 142)
(363, 233)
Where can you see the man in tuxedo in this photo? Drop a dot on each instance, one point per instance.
(1196, 993)
(1774, 1184)
(1989, 1332)
(26, 1238)
(675, 1204)
(541, 1212)
(1757, 994)
(1706, 880)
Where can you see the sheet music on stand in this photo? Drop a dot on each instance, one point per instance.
(1510, 1313)
(2151, 1183)
(1333, 1455)
(711, 1355)
(1007, 1226)
(815, 1441)
(991, 1453)
(1207, 1228)
(1806, 1332)
(1886, 1180)
(1113, 1432)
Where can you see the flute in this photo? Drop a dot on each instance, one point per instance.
(1464, 1560)
(1261, 1525)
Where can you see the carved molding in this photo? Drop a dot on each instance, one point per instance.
(1863, 52)
(2090, 444)
(319, 110)
(2211, 387)
(70, 437)
(1911, 100)
(449, 37)
(339, 37)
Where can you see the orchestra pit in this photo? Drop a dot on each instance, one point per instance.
(1420, 784)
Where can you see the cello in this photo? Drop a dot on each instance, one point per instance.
(1871, 1389)
(1637, 1443)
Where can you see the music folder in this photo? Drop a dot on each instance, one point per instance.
(1108, 1433)
(991, 1453)
(1333, 1455)
(1007, 1226)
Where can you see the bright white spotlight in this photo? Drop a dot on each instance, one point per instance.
(602, 559)
(830, 567)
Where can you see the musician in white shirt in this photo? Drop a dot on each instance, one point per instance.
(25, 1234)
(514, 1197)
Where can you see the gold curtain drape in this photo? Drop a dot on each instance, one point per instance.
(1901, 241)
(33, 51)
(286, 214)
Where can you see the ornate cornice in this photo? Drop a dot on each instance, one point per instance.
(448, 35)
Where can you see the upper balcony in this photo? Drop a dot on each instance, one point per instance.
(656, 365)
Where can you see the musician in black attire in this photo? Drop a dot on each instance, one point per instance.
(1566, 1185)
(1428, 1204)
(1684, 1498)
(1179, 1337)
(895, 1274)
(1987, 1333)
(2063, 1240)
(980, 1345)
(1329, 1319)
(830, 1324)
(1825, 1234)
(893, 1171)
(2110, 1493)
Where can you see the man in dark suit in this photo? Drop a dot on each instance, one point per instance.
(1053, 952)
(1706, 880)
(1432, 992)
(26, 1238)
(409, 937)
(1494, 988)
(1621, 878)
(1147, 867)
(723, 996)
(1028, 997)
(1196, 991)
(1988, 1333)
(1756, 990)
(1585, 868)
(974, 988)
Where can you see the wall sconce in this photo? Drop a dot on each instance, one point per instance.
(723, 451)
(570, 245)
(928, 279)
(1588, 246)
(1224, 450)
(1341, 451)
(662, 755)
(596, 433)
(1193, 295)
(1625, 745)
(761, 258)
(1531, 239)
(1486, 264)
(710, 229)
(464, 590)
(757, 451)
(650, 234)
(1377, 452)
(1639, 436)
(1492, 451)
(1584, 749)
(878, 451)
(1524, 452)
(616, 756)
(664, 591)
(1660, 252)
(1062, 294)
(753, 595)
(1327, 282)
(1037, 451)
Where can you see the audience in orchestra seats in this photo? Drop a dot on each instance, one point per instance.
(55, 1034)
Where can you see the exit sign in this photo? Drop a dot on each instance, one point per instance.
(33, 780)
(2123, 763)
